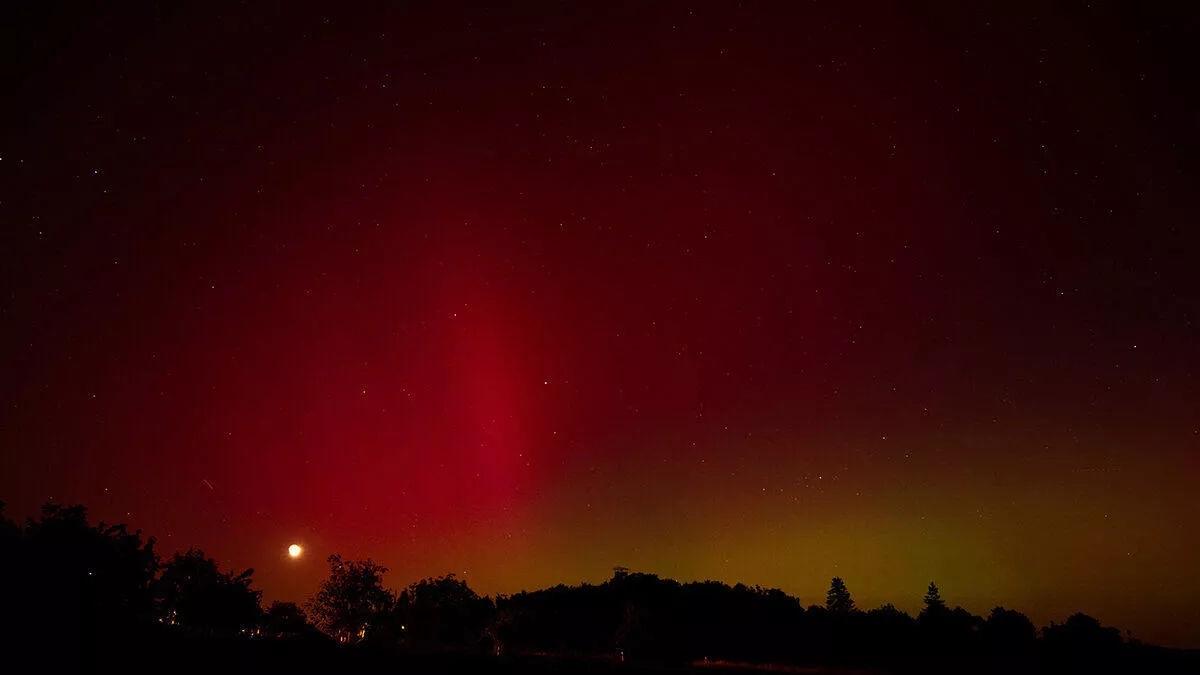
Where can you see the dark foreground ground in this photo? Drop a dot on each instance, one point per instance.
(291, 658)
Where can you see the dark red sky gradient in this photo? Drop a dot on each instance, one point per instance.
(712, 291)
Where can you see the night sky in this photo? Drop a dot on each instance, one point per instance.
(712, 291)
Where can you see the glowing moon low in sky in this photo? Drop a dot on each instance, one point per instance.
(294, 550)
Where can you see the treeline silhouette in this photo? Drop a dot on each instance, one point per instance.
(78, 596)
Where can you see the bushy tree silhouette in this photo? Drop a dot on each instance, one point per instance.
(1009, 629)
(1083, 645)
(886, 635)
(111, 568)
(198, 596)
(1009, 639)
(441, 613)
(352, 600)
(9, 531)
(68, 587)
(286, 620)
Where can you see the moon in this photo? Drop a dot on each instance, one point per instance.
(294, 550)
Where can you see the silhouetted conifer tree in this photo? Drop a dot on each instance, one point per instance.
(934, 605)
(838, 598)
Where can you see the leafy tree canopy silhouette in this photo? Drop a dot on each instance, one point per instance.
(1009, 628)
(352, 600)
(110, 570)
(198, 596)
(286, 620)
(442, 613)
(67, 588)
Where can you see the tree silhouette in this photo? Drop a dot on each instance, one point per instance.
(838, 599)
(441, 613)
(1082, 644)
(949, 637)
(112, 568)
(352, 600)
(1009, 628)
(109, 569)
(286, 620)
(886, 633)
(1010, 638)
(934, 605)
(75, 594)
(9, 531)
(198, 596)
(67, 588)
